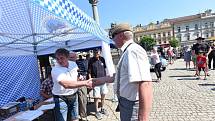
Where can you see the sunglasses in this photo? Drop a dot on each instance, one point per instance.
(113, 35)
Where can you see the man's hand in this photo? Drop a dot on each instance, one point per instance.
(89, 83)
(81, 78)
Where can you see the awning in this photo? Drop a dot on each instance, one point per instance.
(211, 38)
(41, 26)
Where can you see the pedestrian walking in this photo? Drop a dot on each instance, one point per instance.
(170, 55)
(187, 56)
(157, 63)
(211, 57)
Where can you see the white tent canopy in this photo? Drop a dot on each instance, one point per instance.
(41, 26)
(37, 27)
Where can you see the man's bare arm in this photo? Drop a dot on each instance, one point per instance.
(68, 84)
(45, 95)
(103, 80)
(145, 100)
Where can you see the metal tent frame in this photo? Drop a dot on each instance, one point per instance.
(41, 26)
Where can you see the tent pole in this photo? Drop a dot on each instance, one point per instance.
(33, 34)
(106, 52)
(32, 28)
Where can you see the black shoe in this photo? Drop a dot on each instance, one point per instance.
(103, 111)
(98, 115)
(83, 119)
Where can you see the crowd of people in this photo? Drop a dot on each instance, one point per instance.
(201, 54)
(71, 79)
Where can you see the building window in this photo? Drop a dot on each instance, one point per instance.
(187, 28)
(164, 34)
(212, 24)
(206, 25)
(212, 33)
(179, 37)
(188, 36)
(154, 35)
(179, 29)
(169, 34)
(196, 27)
(159, 35)
(207, 35)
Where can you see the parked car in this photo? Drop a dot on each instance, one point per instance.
(164, 64)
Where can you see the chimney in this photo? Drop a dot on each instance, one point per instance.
(113, 24)
(157, 22)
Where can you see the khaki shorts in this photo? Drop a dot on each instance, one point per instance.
(100, 90)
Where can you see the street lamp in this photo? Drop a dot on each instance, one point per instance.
(95, 10)
(106, 52)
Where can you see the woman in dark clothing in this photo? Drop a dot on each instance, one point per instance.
(211, 56)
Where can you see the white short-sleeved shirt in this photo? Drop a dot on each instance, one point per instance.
(135, 68)
(60, 73)
(155, 58)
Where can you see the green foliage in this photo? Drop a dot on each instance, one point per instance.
(174, 42)
(147, 43)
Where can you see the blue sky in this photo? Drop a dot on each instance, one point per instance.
(144, 11)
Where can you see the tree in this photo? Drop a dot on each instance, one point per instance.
(147, 43)
(174, 42)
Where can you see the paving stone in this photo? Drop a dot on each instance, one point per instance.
(178, 97)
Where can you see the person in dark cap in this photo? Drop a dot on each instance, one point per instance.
(133, 82)
(200, 45)
(96, 68)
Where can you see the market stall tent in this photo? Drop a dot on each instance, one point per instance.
(39, 27)
(29, 28)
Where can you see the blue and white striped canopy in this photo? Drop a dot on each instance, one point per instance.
(41, 26)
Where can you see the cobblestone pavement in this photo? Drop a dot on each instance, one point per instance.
(178, 97)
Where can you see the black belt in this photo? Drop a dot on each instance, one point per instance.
(65, 96)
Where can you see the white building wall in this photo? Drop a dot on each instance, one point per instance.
(202, 31)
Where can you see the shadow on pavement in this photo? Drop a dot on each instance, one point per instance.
(194, 78)
(178, 69)
(182, 76)
(207, 84)
(213, 89)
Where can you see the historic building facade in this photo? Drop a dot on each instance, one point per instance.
(188, 28)
(161, 32)
(185, 29)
